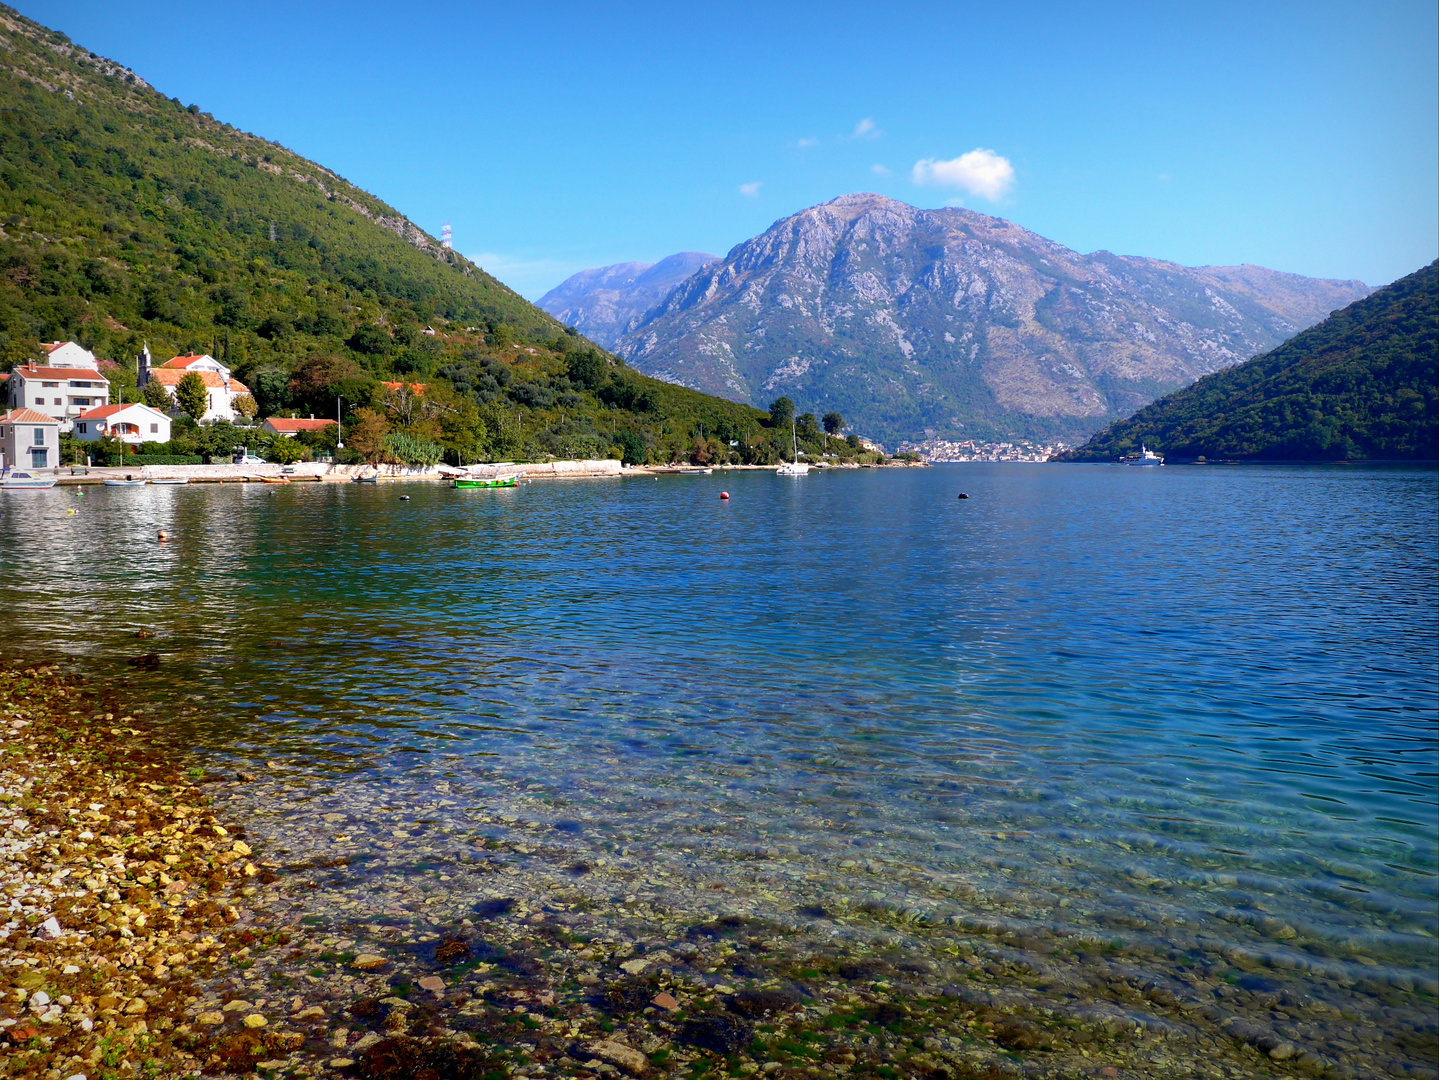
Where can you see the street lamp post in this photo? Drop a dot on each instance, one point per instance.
(339, 429)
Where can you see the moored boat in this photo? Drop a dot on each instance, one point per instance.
(24, 481)
(274, 479)
(793, 468)
(129, 481)
(169, 480)
(490, 482)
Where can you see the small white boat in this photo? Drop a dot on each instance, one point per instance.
(24, 481)
(127, 482)
(793, 468)
(170, 480)
(1145, 456)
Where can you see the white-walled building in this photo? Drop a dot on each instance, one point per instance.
(134, 423)
(67, 354)
(220, 389)
(64, 387)
(29, 440)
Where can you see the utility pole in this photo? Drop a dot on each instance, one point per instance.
(339, 429)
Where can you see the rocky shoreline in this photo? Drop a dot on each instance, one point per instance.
(147, 938)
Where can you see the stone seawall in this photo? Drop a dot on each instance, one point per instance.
(312, 471)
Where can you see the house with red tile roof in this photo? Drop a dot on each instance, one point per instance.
(61, 393)
(133, 423)
(29, 439)
(279, 425)
(221, 389)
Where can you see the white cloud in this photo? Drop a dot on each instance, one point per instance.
(866, 129)
(879, 170)
(750, 191)
(807, 142)
(979, 172)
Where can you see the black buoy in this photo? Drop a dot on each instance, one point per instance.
(962, 495)
(404, 498)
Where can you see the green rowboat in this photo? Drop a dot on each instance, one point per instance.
(494, 482)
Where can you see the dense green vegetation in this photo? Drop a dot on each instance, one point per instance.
(1362, 385)
(127, 217)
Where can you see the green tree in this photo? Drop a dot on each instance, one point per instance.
(587, 369)
(807, 427)
(17, 351)
(833, 423)
(245, 405)
(191, 395)
(285, 451)
(781, 412)
(322, 378)
(633, 445)
(271, 387)
(156, 396)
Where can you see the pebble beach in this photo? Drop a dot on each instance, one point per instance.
(157, 927)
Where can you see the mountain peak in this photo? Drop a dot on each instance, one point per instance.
(602, 302)
(916, 322)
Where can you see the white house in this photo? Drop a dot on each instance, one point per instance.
(67, 354)
(63, 388)
(220, 389)
(133, 423)
(29, 440)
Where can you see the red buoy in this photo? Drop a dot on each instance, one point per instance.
(724, 494)
(163, 536)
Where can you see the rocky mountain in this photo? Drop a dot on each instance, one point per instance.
(602, 303)
(921, 323)
(1363, 384)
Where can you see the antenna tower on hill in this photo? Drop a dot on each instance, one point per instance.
(445, 236)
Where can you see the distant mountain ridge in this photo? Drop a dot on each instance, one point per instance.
(602, 303)
(920, 323)
(1362, 385)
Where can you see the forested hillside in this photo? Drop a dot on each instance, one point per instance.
(127, 217)
(1362, 385)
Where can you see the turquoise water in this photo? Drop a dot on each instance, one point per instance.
(1189, 708)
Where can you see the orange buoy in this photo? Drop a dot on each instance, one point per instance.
(163, 536)
(724, 494)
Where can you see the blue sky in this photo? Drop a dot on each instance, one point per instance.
(559, 136)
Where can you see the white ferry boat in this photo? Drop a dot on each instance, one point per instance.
(1145, 456)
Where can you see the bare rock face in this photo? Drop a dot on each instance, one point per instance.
(915, 323)
(602, 303)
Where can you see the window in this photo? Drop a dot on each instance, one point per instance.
(154, 429)
(39, 436)
(59, 401)
(80, 401)
(39, 457)
(82, 429)
(55, 384)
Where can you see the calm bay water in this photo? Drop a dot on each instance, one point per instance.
(1188, 708)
